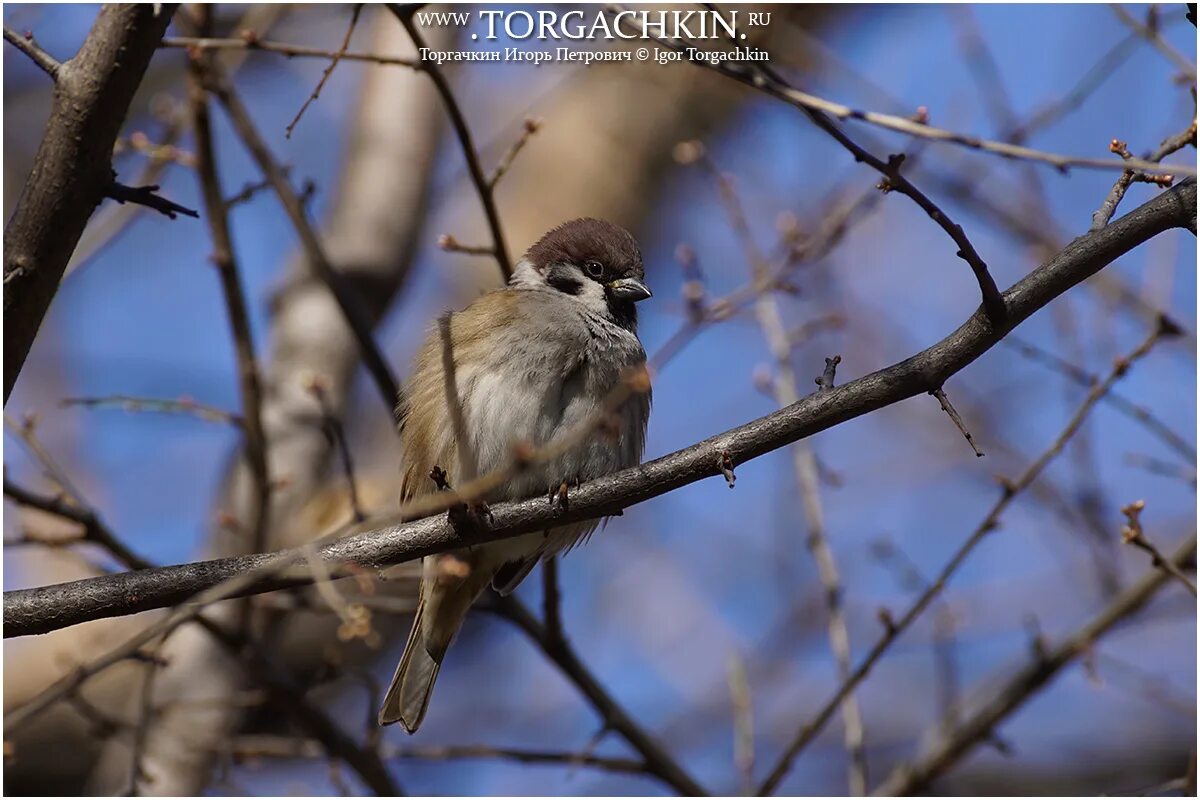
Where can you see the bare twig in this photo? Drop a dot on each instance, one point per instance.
(333, 62)
(249, 190)
(1150, 33)
(743, 722)
(451, 245)
(224, 257)
(784, 389)
(29, 46)
(182, 405)
(350, 303)
(657, 761)
(288, 695)
(1133, 534)
(956, 419)
(753, 74)
(1083, 378)
(145, 718)
(895, 627)
(110, 221)
(164, 151)
(253, 746)
(252, 42)
(337, 437)
(528, 129)
(1169, 145)
(146, 196)
(1182, 472)
(94, 530)
(482, 185)
(978, 727)
(767, 80)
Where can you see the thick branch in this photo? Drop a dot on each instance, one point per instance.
(73, 168)
(39, 610)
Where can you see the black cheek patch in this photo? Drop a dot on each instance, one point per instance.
(563, 281)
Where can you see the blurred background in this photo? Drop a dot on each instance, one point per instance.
(704, 595)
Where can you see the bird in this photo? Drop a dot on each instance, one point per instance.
(518, 367)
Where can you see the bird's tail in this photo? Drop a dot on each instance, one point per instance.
(440, 611)
(407, 698)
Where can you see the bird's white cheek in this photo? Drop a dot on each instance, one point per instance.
(593, 298)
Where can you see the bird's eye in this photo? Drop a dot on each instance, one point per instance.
(594, 269)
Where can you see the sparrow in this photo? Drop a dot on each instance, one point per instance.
(516, 368)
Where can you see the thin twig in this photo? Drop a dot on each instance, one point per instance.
(451, 245)
(94, 530)
(786, 392)
(333, 62)
(805, 735)
(288, 695)
(225, 259)
(337, 437)
(958, 421)
(1150, 33)
(1169, 145)
(146, 713)
(252, 746)
(29, 46)
(978, 727)
(1086, 379)
(482, 186)
(657, 761)
(182, 405)
(1182, 472)
(252, 42)
(146, 196)
(743, 722)
(1133, 534)
(754, 74)
(350, 302)
(530, 127)
(251, 188)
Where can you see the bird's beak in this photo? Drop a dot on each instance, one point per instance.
(630, 289)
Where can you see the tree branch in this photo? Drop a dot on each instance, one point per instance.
(29, 46)
(146, 196)
(348, 299)
(43, 609)
(483, 186)
(913, 778)
(893, 628)
(72, 171)
(657, 761)
(223, 255)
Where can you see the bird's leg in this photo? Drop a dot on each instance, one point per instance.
(472, 515)
(561, 495)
